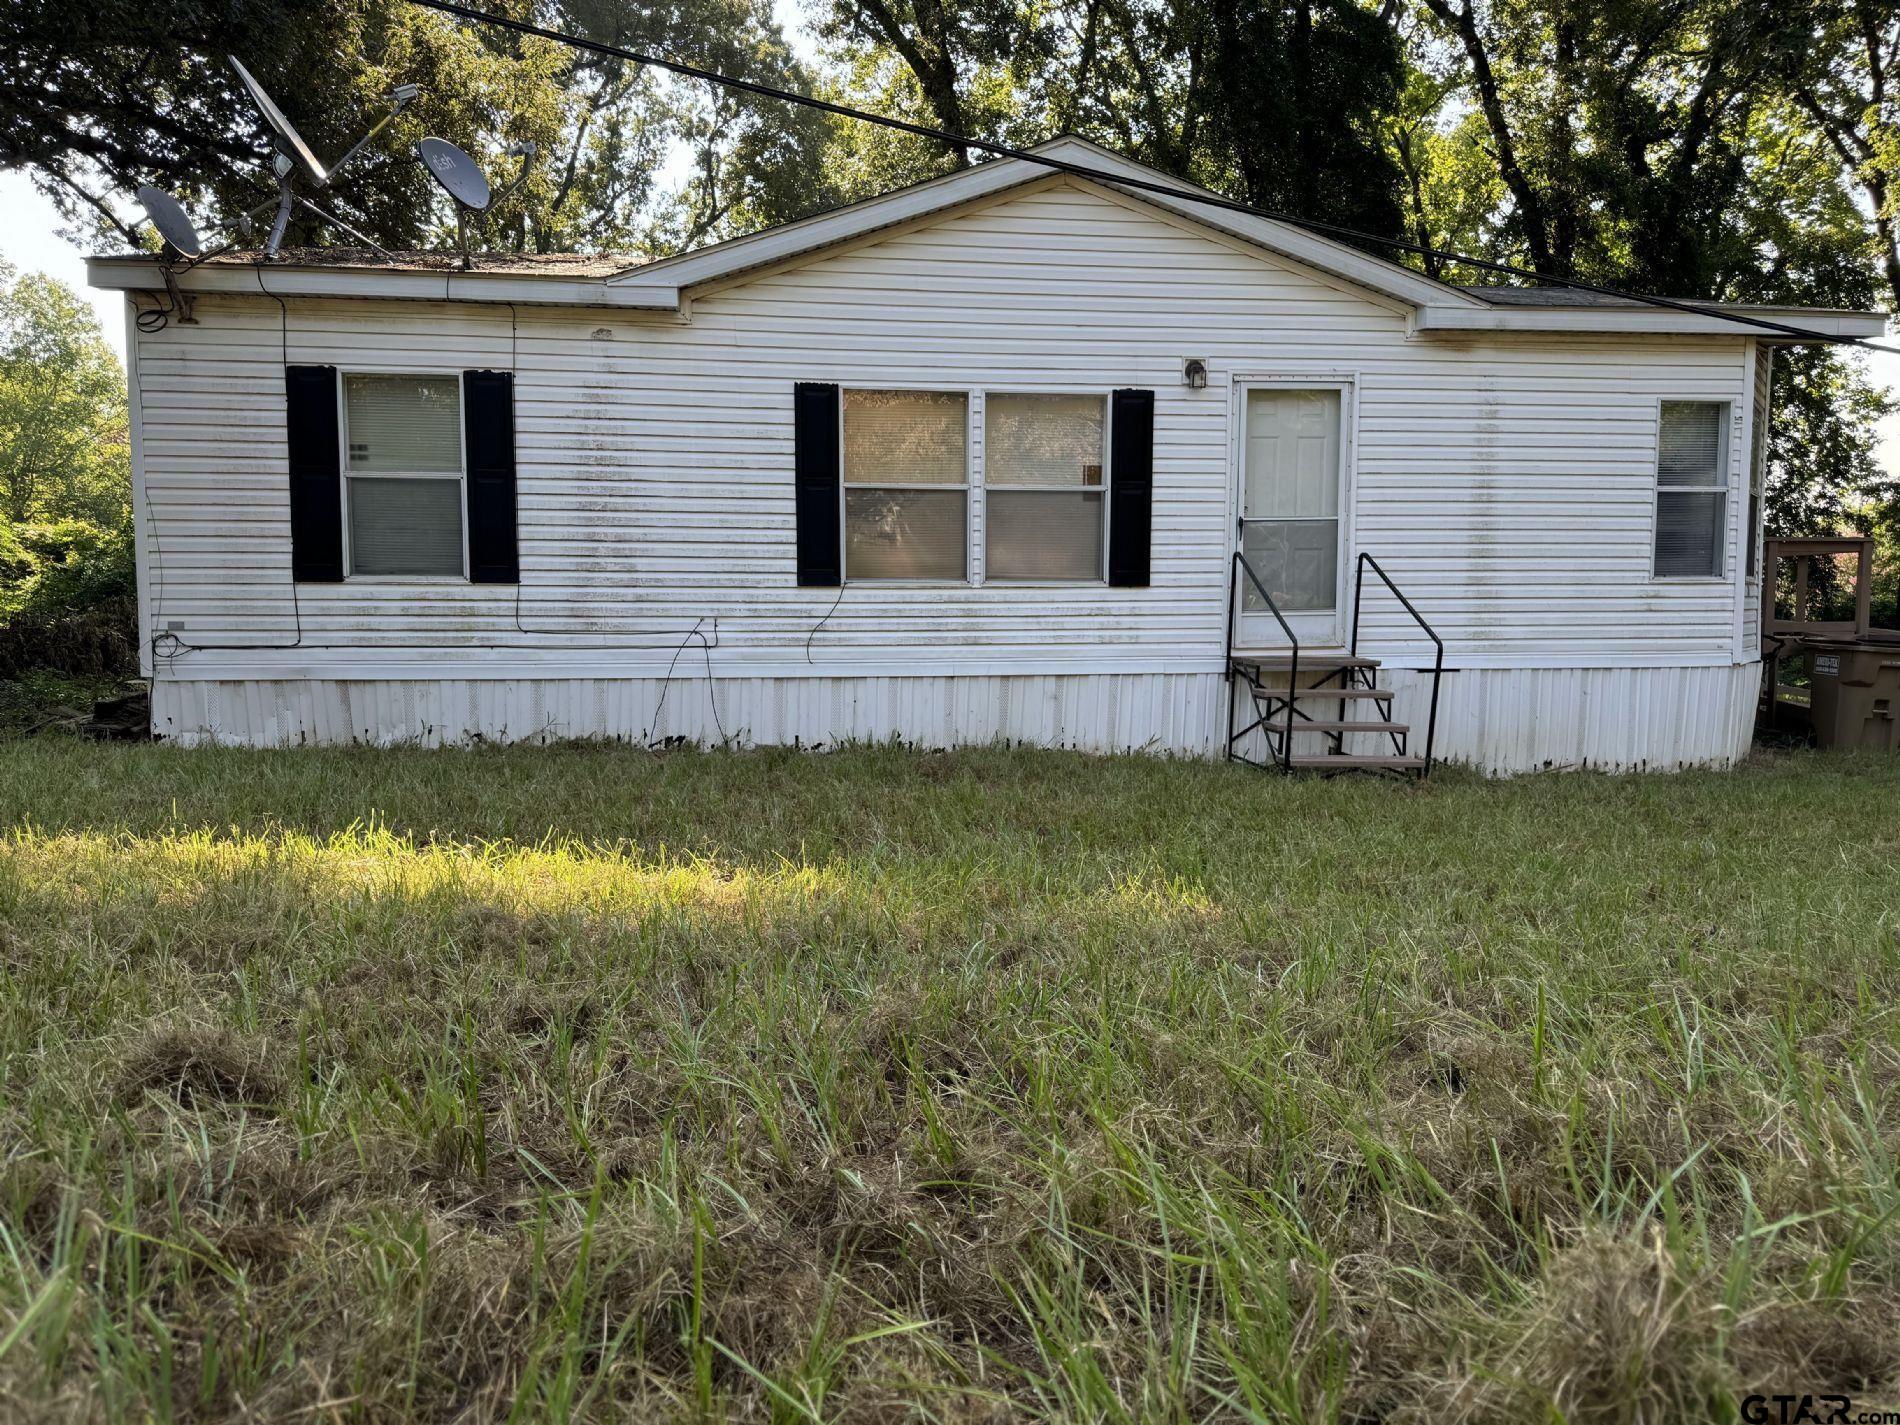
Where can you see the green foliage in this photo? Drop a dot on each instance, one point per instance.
(68, 599)
(1297, 93)
(1846, 80)
(1823, 462)
(67, 586)
(577, 1083)
(63, 450)
(97, 99)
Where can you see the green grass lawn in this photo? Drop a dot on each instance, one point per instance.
(537, 1083)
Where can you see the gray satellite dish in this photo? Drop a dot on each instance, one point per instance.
(289, 142)
(460, 176)
(171, 220)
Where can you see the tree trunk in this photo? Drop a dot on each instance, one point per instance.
(1530, 206)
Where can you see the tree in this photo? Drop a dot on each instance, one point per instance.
(63, 452)
(1619, 130)
(1847, 80)
(97, 99)
(953, 51)
(1297, 92)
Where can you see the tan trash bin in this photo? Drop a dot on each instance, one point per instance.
(1856, 695)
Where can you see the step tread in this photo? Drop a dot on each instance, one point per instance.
(1307, 694)
(1352, 762)
(1301, 724)
(1316, 661)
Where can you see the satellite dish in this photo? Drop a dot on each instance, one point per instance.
(289, 142)
(173, 223)
(460, 176)
(293, 157)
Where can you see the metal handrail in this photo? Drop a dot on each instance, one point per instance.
(1293, 666)
(1438, 666)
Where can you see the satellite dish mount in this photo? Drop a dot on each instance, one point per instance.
(461, 177)
(294, 160)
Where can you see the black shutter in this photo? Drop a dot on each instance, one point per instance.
(316, 474)
(815, 468)
(488, 422)
(1131, 470)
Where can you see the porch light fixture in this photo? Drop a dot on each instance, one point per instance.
(1194, 373)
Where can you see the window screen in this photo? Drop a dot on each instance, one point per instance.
(403, 458)
(906, 477)
(1043, 457)
(1691, 489)
(1043, 440)
(405, 526)
(904, 534)
(403, 425)
(905, 437)
(1034, 534)
(1298, 561)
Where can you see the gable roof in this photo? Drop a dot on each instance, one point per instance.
(988, 179)
(609, 280)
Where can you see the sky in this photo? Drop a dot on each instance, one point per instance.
(30, 241)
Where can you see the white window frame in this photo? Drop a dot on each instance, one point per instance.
(975, 485)
(460, 476)
(1726, 489)
(1108, 437)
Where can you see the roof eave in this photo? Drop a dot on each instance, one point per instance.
(146, 274)
(1649, 320)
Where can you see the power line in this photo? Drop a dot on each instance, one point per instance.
(1097, 175)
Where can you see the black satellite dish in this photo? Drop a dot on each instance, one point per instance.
(289, 142)
(460, 176)
(172, 221)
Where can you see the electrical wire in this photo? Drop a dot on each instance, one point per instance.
(1126, 181)
(823, 621)
(712, 685)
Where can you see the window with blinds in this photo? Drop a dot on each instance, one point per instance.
(403, 474)
(1043, 460)
(906, 484)
(1691, 489)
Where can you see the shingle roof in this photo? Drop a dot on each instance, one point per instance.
(546, 264)
(1579, 297)
(1552, 297)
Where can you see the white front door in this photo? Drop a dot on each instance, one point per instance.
(1290, 529)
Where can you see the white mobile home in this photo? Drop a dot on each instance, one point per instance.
(969, 461)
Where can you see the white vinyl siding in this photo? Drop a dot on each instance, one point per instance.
(1508, 482)
(403, 474)
(1692, 463)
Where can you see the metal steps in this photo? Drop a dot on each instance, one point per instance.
(1299, 740)
(1284, 683)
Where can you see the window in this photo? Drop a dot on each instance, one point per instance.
(1043, 458)
(906, 484)
(1691, 489)
(403, 474)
